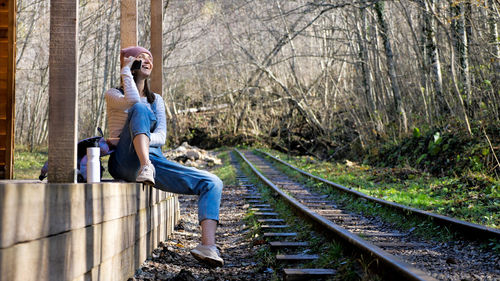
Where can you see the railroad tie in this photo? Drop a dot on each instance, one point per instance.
(266, 214)
(381, 234)
(296, 258)
(271, 226)
(255, 201)
(398, 244)
(287, 244)
(296, 274)
(316, 201)
(271, 220)
(262, 206)
(261, 209)
(280, 234)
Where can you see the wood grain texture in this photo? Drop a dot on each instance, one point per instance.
(157, 45)
(63, 90)
(80, 231)
(10, 99)
(128, 23)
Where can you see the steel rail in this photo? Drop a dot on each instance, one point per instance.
(395, 268)
(470, 230)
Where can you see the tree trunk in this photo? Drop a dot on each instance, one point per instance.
(363, 55)
(494, 40)
(433, 58)
(461, 48)
(391, 66)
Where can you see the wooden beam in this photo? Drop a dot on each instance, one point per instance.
(157, 45)
(63, 88)
(8, 159)
(128, 23)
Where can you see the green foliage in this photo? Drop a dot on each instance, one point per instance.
(441, 152)
(226, 172)
(416, 133)
(27, 164)
(472, 196)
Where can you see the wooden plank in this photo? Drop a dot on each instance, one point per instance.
(287, 244)
(280, 234)
(128, 23)
(3, 127)
(157, 46)
(3, 83)
(381, 234)
(4, 48)
(71, 254)
(4, 4)
(262, 206)
(63, 88)
(399, 244)
(296, 274)
(3, 153)
(270, 220)
(251, 209)
(3, 67)
(271, 226)
(31, 211)
(266, 214)
(3, 145)
(4, 18)
(296, 258)
(3, 110)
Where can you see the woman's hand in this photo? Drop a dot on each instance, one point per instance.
(129, 61)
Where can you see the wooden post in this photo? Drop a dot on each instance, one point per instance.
(128, 23)
(157, 45)
(63, 88)
(7, 86)
(11, 86)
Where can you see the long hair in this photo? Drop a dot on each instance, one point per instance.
(149, 95)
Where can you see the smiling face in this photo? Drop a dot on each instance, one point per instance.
(146, 66)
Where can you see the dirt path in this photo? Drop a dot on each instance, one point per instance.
(172, 260)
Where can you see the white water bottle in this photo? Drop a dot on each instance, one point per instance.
(93, 164)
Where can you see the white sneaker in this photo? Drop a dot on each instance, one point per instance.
(208, 254)
(147, 174)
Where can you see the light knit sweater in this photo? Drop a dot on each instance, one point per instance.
(118, 104)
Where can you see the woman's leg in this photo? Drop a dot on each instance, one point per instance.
(124, 162)
(174, 177)
(208, 228)
(141, 146)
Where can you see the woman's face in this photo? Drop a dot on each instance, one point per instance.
(147, 64)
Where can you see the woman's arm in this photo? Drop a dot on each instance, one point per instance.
(159, 135)
(131, 96)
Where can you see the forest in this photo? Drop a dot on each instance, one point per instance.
(329, 78)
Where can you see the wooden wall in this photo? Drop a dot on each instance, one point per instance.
(7, 85)
(80, 231)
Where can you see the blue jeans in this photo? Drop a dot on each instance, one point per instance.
(170, 176)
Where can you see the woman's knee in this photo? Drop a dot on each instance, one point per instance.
(217, 183)
(138, 107)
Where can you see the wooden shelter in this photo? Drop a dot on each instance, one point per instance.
(63, 230)
(7, 85)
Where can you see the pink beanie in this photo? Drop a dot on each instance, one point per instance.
(133, 51)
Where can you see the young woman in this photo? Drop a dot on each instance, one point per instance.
(137, 128)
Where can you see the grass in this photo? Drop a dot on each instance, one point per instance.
(474, 198)
(226, 172)
(27, 164)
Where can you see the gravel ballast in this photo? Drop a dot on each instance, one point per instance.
(172, 260)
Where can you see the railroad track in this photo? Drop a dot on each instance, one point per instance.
(397, 254)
